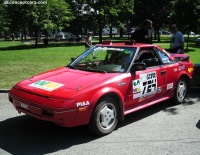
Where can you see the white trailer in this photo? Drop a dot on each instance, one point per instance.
(106, 31)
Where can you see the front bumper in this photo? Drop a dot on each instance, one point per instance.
(61, 116)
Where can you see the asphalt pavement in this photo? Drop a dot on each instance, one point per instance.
(162, 129)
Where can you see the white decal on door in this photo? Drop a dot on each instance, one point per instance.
(145, 86)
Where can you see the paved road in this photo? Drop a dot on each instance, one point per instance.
(162, 129)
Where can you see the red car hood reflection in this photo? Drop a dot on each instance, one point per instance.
(63, 80)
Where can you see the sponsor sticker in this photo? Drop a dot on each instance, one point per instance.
(82, 104)
(159, 89)
(46, 85)
(190, 70)
(169, 86)
(136, 86)
(181, 68)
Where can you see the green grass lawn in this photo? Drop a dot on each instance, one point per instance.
(19, 61)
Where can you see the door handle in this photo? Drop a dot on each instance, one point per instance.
(163, 73)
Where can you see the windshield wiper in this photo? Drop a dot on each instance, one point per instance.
(72, 67)
(87, 69)
(94, 70)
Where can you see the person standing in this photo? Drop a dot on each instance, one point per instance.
(88, 41)
(177, 41)
(143, 34)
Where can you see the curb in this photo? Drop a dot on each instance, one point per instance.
(4, 90)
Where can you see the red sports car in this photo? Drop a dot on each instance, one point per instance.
(104, 84)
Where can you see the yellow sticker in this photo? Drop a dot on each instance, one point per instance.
(190, 70)
(46, 85)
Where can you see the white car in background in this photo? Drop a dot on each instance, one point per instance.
(64, 36)
(164, 32)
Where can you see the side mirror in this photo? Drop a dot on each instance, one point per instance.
(138, 67)
(72, 59)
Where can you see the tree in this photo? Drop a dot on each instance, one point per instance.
(4, 20)
(40, 17)
(19, 18)
(119, 13)
(156, 10)
(80, 20)
(97, 13)
(126, 13)
(187, 16)
(109, 12)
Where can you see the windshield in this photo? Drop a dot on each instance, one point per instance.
(104, 59)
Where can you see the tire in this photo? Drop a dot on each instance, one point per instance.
(180, 91)
(105, 117)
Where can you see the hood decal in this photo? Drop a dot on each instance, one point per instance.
(46, 85)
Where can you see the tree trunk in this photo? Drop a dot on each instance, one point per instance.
(100, 35)
(36, 37)
(121, 33)
(101, 25)
(46, 40)
(155, 33)
(158, 34)
(110, 32)
(188, 38)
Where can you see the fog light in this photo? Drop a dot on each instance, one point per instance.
(49, 113)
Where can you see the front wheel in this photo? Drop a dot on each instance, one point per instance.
(105, 117)
(180, 92)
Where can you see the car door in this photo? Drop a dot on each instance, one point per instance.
(150, 84)
(169, 68)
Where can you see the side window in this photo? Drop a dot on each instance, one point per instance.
(149, 57)
(164, 57)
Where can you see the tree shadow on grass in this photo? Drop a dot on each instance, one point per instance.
(193, 45)
(188, 50)
(185, 50)
(162, 41)
(32, 46)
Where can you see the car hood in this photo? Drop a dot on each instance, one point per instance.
(62, 80)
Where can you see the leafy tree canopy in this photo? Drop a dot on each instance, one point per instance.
(186, 15)
(53, 15)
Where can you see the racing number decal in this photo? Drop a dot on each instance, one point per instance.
(145, 86)
(149, 82)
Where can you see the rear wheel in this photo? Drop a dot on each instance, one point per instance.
(105, 117)
(180, 92)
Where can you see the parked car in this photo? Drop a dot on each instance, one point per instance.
(106, 31)
(197, 42)
(65, 36)
(102, 85)
(7, 37)
(153, 32)
(164, 32)
(192, 34)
